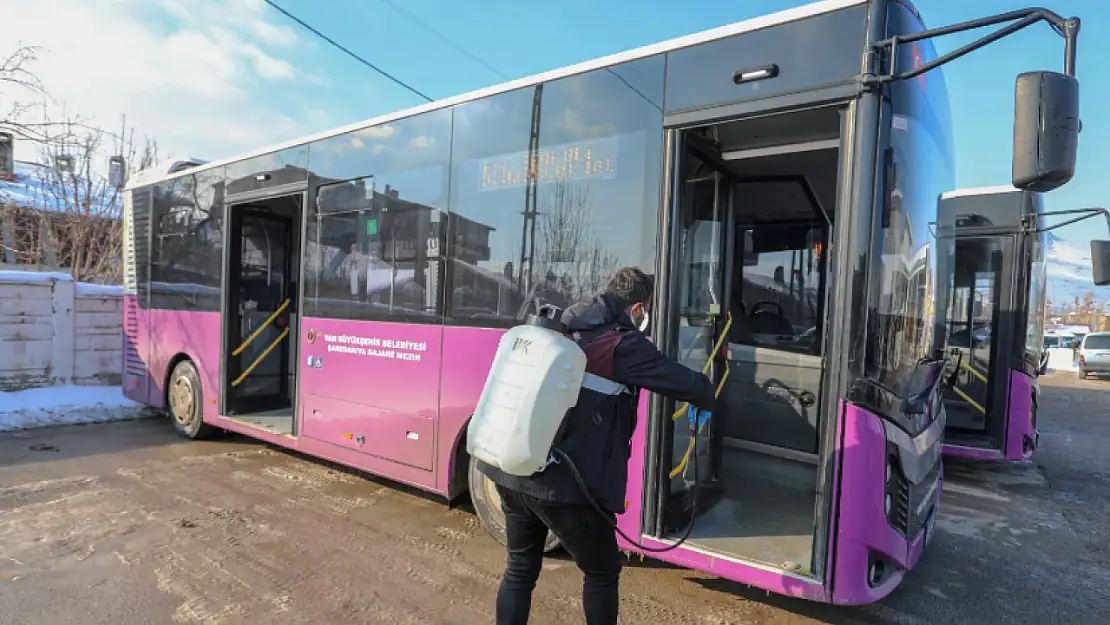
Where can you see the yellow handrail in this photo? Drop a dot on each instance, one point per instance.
(974, 371)
(265, 324)
(265, 352)
(720, 385)
(969, 400)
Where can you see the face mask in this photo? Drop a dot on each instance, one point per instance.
(644, 322)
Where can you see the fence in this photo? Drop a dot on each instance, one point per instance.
(54, 331)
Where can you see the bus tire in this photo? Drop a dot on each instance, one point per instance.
(487, 505)
(185, 402)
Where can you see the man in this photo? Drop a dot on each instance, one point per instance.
(597, 438)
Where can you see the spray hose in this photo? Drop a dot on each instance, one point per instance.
(720, 386)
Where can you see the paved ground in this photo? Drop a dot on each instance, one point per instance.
(126, 524)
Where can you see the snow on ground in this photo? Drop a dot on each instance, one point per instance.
(65, 405)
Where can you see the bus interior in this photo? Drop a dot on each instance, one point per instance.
(260, 321)
(755, 204)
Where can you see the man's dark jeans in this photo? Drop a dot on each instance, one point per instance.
(586, 536)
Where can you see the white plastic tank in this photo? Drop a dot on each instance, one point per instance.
(534, 380)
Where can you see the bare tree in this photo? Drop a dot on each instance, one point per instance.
(572, 254)
(71, 214)
(21, 92)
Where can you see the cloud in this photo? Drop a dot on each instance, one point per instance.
(379, 133)
(271, 34)
(268, 66)
(198, 76)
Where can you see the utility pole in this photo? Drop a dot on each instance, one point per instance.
(528, 229)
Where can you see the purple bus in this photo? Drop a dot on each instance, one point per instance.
(992, 243)
(993, 313)
(779, 176)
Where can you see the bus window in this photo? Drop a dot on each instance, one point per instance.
(553, 232)
(779, 295)
(1038, 278)
(919, 168)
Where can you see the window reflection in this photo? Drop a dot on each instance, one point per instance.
(371, 254)
(375, 235)
(269, 170)
(1038, 278)
(477, 212)
(918, 168)
(554, 187)
(187, 242)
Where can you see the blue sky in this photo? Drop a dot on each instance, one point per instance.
(517, 39)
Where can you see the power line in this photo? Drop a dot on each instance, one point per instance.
(421, 23)
(345, 50)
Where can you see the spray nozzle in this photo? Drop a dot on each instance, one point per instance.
(548, 316)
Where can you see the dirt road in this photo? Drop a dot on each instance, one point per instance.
(126, 524)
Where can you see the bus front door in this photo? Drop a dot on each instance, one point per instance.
(259, 301)
(977, 327)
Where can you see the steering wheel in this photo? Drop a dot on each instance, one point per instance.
(766, 302)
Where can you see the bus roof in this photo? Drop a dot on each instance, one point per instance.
(971, 191)
(721, 32)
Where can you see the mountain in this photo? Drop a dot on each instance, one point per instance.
(1069, 272)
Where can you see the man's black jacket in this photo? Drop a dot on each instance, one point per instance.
(598, 430)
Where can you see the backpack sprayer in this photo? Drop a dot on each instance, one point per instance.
(534, 382)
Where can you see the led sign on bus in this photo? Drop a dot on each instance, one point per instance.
(590, 160)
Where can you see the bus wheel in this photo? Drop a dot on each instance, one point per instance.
(185, 402)
(487, 505)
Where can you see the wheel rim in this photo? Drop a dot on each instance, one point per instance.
(181, 400)
(494, 499)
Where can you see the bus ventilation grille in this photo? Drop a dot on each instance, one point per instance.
(141, 202)
(133, 364)
(908, 500)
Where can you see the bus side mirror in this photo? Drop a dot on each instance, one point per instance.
(1100, 262)
(1042, 366)
(1046, 130)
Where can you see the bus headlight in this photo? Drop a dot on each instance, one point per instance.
(889, 503)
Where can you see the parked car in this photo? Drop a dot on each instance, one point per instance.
(1094, 354)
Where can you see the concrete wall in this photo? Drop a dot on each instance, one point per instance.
(54, 331)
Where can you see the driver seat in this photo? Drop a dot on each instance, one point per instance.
(765, 321)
